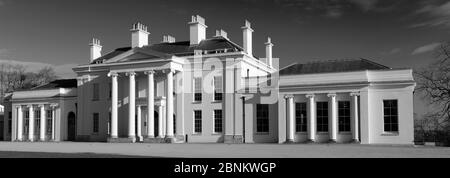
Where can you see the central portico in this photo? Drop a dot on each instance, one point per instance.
(164, 105)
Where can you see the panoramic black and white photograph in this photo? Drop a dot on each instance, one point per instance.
(224, 79)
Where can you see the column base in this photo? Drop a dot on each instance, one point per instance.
(139, 139)
(310, 141)
(289, 141)
(169, 139)
(154, 140)
(332, 141)
(180, 138)
(355, 141)
(233, 139)
(121, 140)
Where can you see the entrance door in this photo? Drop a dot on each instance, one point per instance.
(1, 130)
(71, 126)
(155, 121)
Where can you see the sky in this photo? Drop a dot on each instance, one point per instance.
(399, 34)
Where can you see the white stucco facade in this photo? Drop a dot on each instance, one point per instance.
(210, 90)
(39, 115)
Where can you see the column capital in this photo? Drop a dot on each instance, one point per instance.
(113, 74)
(42, 105)
(30, 106)
(331, 95)
(53, 105)
(18, 106)
(312, 95)
(148, 72)
(288, 96)
(354, 94)
(130, 73)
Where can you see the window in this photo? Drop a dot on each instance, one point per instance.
(37, 126)
(218, 88)
(262, 118)
(247, 85)
(344, 116)
(110, 90)
(37, 113)
(218, 125)
(322, 116)
(49, 126)
(197, 121)
(27, 114)
(136, 88)
(9, 126)
(390, 115)
(174, 124)
(25, 126)
(300, 117)
(49, 113)
(95, 123)
(9, 122)
(95, 92)
(198, 89)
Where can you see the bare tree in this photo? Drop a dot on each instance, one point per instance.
(434, 81)
(14, 77)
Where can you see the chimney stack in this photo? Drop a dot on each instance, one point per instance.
(96, 49)
(247, 31)
(168, 39)
(269, 51)
(197, 30)
(221, 33)
(139, 35)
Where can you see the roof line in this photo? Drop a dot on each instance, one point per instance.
(369, 61)
(295, 63)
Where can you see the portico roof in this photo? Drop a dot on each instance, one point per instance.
(182, 48)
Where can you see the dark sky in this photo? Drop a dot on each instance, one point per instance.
(398, 34)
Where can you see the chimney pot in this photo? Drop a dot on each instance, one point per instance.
(168, 39)
(221, 33)
(269, 46)
(95, 49)
(247, 34)
(197, 29)
(139, 35)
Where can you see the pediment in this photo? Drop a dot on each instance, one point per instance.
(139, 54)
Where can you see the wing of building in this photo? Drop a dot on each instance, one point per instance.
(213, 90)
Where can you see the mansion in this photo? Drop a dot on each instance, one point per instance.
(212, 90)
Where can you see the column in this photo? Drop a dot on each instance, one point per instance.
(53, 122)
(114, 103)
(31, 123)
(290, 118)
(43, 119)
(333, 118)
(150, 104)
(311, 118)
(160, 121)
(131, 106)
(19, 123)
(139, 126)
(355, 116)
(169, 106)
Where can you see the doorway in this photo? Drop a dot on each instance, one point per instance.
(1, 130)
(71, 126)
